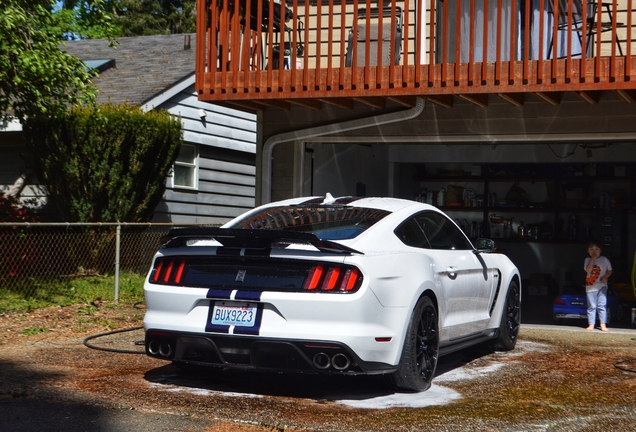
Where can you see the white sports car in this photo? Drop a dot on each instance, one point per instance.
(330, 285)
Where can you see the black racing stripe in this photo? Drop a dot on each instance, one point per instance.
(248, 295)
(338, 201)
(258, 252)
(257, 325)
(317, 200)
(225, 251)
(219, 294)
(346, 200)
(213, 328)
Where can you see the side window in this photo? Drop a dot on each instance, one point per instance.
(441, 232)
(186, 168)
(411, 234)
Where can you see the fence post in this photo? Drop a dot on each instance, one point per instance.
(117, 254)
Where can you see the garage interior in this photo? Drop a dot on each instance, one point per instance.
(542, 203)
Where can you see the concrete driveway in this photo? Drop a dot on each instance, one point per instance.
(551, 381)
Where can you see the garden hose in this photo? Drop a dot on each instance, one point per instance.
(123, 351)
(622, 362)
(137, 343)
(620, 365)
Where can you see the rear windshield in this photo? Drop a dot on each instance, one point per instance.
(327, 223)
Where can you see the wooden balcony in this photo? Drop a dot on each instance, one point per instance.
(341, 51)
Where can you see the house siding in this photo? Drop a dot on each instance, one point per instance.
(226, 142)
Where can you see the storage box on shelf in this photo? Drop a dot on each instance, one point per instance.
(544, 197)
(562, 206)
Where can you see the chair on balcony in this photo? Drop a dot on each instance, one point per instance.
(590, 27)
(359, 43)
(277, 26)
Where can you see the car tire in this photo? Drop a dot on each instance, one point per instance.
(421, 349)
(510, 320)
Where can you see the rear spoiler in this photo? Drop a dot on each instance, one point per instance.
(251, 239)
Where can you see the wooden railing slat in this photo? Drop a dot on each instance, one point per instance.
(431, 35)
(498, 43)
(236, 57)
(628, 54)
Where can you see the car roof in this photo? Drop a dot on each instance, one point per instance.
(392, 205)
(382, 203)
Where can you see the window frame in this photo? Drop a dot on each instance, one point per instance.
(432, 245)
(194, 166)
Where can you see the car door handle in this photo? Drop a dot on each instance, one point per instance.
(452, 272)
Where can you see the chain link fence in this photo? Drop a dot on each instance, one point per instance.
(33, 253)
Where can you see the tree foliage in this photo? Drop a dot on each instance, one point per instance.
(86, 19)
(152, 17)
(90, 19)
(35, 75)
(103, 164)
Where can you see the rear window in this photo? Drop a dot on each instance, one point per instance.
(327, 223)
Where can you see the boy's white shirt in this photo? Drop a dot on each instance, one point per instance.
(604, 264)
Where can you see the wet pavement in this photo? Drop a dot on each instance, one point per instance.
(51, 385)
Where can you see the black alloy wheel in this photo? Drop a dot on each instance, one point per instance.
(510, 320)
(421, 349)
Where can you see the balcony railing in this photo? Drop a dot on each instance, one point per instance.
(303, 51)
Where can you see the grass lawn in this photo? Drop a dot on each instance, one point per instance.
(34, 293)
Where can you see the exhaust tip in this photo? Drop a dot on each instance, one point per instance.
(340, 362)
(153, 347)
(322, 361)
(160, 348)
(165, 350)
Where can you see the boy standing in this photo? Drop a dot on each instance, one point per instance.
(598, 269)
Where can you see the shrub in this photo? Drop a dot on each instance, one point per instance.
(12, 211)
(103, 164)
(18, 249)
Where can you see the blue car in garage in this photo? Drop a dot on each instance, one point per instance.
(572, 305)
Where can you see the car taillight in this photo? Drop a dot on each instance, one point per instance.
(350, 279)
(166, 275)
(169, 271)
(333, 278)
(177, 278)
(315, 274)
(558, 301)
(255, 275)
(155, 277)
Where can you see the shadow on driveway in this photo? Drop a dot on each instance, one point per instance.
(308, 386)
(28, 403)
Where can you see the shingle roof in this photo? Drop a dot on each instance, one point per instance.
(144, 65)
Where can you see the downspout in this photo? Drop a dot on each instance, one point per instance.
(318, 131)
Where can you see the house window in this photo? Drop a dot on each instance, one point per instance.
(185, 168)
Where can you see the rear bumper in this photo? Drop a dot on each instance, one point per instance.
(565, 315)
(358, 321)
(257, 353)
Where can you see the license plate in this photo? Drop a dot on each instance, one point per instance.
(577, 303)
(235, 314)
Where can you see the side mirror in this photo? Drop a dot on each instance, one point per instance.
(485, 245)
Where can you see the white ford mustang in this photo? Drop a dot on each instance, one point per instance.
(330, 285)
